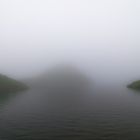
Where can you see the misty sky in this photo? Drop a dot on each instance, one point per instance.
(102, 36)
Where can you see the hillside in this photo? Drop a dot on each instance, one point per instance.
(135, 85)
(9, 85)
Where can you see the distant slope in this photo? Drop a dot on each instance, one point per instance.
(61, 78)
(135, 85)
(9, 85)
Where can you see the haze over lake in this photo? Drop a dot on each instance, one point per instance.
(98, 39)
(99, 36)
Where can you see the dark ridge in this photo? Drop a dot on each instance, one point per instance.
(62, 77)
(135, 85)
(9, 85)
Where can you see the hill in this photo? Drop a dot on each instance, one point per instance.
(135, 85)
(9, 85)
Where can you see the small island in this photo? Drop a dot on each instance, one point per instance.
(135, 85)
(9, 85)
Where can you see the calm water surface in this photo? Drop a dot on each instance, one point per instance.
(103, 114)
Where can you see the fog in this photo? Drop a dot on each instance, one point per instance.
(101, 37)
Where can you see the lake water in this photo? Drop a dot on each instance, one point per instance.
(99, 114)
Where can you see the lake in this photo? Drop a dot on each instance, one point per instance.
(102, 113)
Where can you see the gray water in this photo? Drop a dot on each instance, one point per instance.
(100, 114)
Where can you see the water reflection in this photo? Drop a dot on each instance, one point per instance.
(63, 84)
(5, 98)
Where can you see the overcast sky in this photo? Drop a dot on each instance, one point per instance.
(100, 35)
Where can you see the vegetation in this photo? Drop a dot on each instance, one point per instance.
(9, 85)
(135, 85)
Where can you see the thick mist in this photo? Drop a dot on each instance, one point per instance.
(101, 37)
